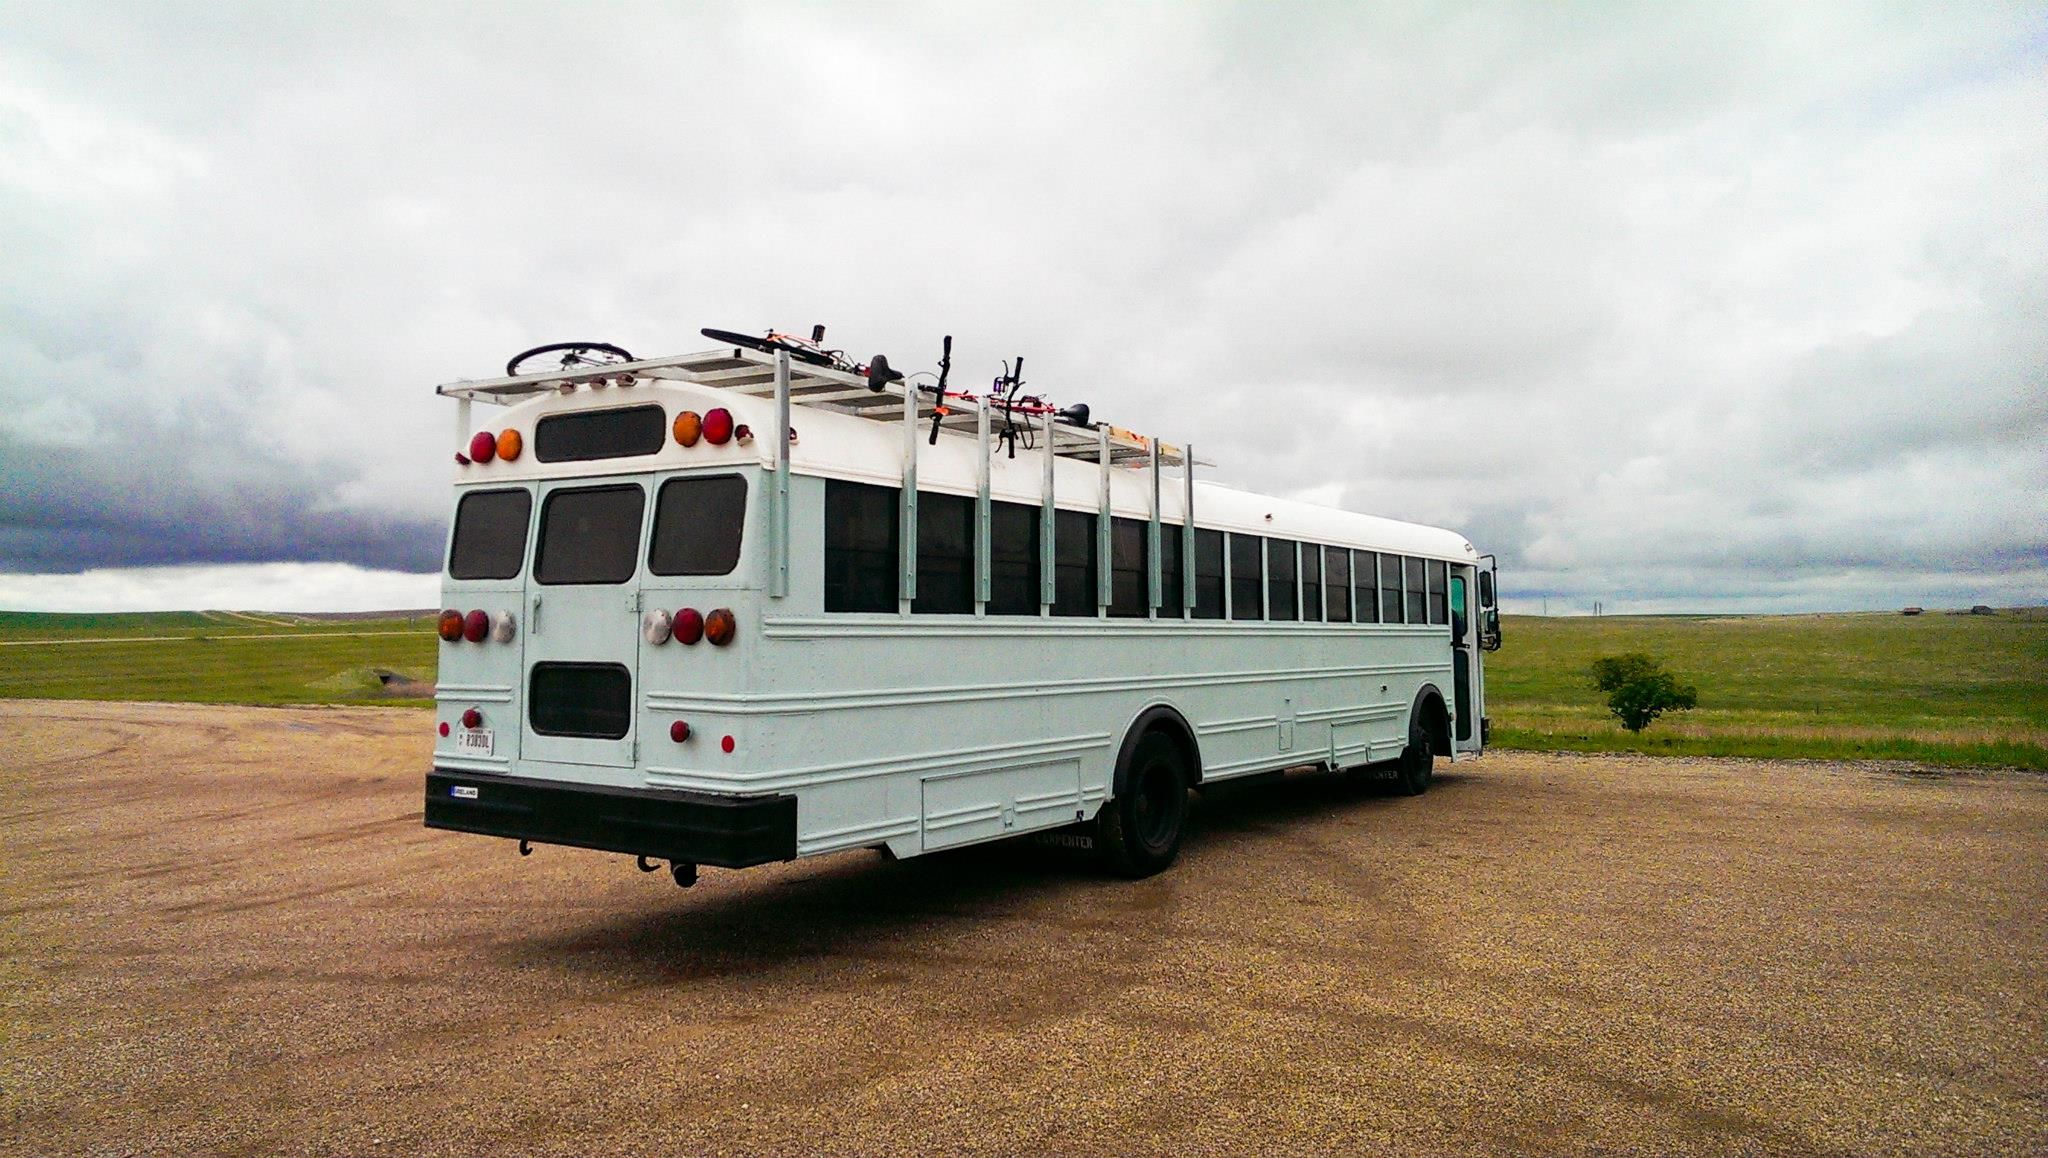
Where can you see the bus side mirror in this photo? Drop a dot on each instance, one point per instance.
(1486, 589)
(1489, 635)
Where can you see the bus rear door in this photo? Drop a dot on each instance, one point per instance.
(583, 617)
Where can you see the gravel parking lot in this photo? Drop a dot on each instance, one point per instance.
(226, 932)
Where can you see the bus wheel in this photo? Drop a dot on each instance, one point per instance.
(1417, 767)
(1139, 832)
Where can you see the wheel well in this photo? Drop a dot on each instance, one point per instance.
(1163, 719)
(1436, 719)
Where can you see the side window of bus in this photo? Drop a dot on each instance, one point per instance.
(1013, 559)
(1247, 578)
(698, 523)
(1169, 571)
(1337, 584)
(1390, 589)
(1418, 601)
(1282, 592)
(1311, 582)
(1129, 586)
(1439, 604)
(1208, 574)
(1365, 578)
(945, 554)
(860, 547)
(590, 535)
(1073, 543)
(490, 535)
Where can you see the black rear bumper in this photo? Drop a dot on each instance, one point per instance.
(694, 827)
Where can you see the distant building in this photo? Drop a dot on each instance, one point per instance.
(1912, 611)
(1981, 609)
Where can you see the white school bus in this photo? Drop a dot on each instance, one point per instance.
(760, 603)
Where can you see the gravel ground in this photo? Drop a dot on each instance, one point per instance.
(226, 932)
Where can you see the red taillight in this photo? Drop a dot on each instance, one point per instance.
(475, 626)
(726, 744)
(451, 625)
(444, 727)
(471, 718)
(679, 731)
(719, 626)
(484, 447)
(717, 426)
(689, 625)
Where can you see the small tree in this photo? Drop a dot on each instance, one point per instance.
(1639, 689)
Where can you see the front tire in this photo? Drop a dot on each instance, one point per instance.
(1140, 831)
(1418, 764)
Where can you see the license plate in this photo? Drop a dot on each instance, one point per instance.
(477, 741)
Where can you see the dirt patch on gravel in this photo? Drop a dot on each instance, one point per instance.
(226, 931)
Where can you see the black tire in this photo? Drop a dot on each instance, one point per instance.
(769, 346)
(572, 357)
(1139, 832)
(1418, 763)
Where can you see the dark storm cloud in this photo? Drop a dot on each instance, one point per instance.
(1731, 304)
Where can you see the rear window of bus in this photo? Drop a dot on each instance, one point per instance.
(590, 535)
(698, 524)
(490, 535)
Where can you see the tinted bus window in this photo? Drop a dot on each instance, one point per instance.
(1247, 578)
(1439, 606)
(945, 554)
(1073, 563)
(1411, 582)
(591, 434)
(1013, 559)
(1169, 571)
(860, 547)
(697, 526)
(1390, 589)
(1365, 585)
(1208, 574)
(1282, 593)
(1311, 581)
(1337, 584)
(490, 535)
(593, 700)
(590, 535)
(1130, 589)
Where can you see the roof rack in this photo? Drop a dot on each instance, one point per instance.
(752, 372)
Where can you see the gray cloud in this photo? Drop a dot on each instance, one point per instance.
(1704, 303)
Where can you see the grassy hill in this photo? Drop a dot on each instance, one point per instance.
(1947, 689)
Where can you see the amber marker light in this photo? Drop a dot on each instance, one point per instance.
(719, 627)
(717, 426)
(510, 444)
(687, 428)
(484, 446)
(451, 625)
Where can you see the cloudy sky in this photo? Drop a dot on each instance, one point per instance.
(1674, 307)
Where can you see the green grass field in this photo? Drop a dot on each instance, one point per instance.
(1937, 688)
(214, 657)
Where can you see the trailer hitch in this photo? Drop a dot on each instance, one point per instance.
(685, 873)
(646, 866)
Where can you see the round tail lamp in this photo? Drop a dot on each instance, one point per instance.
(679, 731)
(451, 625)
(484, 446)
(510, 444)
(444, 727)
(689, 625)
(504, 627)
(719, 627)
(726, 744)
(475, 626)
(717, 426)
(655, 627)
(687, 427)
(471, 718)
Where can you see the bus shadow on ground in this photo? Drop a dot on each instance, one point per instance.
(860, 908)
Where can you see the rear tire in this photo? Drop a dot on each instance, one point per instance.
(1418, 764)
(1139, 833)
